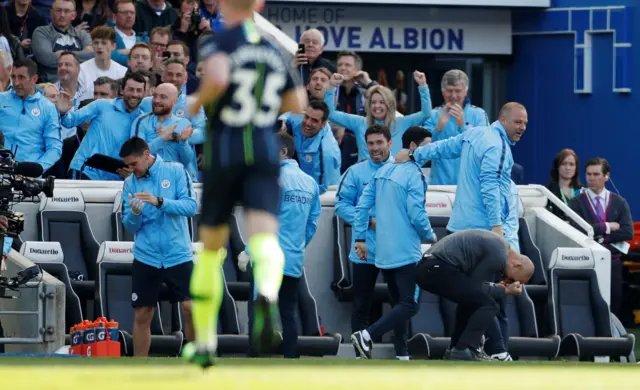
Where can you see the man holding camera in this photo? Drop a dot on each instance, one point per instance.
(190, 25)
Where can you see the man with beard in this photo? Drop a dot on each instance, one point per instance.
(175, 72)
(166, 134)
(317, 150)
(353, 182)
(110, 126)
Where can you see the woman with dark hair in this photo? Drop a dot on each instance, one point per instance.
(565, 179)
(8, 42)
(90, 14)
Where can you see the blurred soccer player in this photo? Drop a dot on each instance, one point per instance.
(247, 83)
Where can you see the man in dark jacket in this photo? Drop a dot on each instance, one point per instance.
(610, 217)
(459, 268)
(147, 18)
(352, 93)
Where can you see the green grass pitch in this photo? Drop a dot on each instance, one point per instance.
(309, 374)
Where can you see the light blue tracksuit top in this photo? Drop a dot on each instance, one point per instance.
(353, 182)
(33, 126)
(178, 151)
(397, 191)
(358, 124)
(511, 218)
(181, 110)
(299, 207)
(318, 156)
(445, 171)
(110, 128)
(484, 183)
(161, 234)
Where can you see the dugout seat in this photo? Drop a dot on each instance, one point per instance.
(238, 281)
(342, 285)
(230, 341)
(114, 301)
(439, 225)
(62, 219)
(537, 285)
(580, 316)
(524, 340)
(312, 340)
(431, 327)
(119, 233)
(50, 257)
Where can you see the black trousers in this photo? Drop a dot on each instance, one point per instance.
(404, 294)
(364, 283)
(616, 285)
(497, 333)
(288, 304)
(476, 308)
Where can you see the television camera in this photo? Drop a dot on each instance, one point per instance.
(18, 183)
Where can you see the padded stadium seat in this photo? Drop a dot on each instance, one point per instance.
(439, 225)
(63, 219)
(119, 232)
(537, 286)
(312, 341)
(431, 327)
(114, 300)
(230, 341)
(194, 225)
(581, 317)
(342, 285)
(524, 338)
(238, 282)
(50, 257)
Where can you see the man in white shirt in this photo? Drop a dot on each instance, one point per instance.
(125, 16)
(103, 40)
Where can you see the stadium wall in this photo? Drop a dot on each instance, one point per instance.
(586, 103)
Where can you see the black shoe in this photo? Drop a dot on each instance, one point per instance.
(465, 355)
(363, 346)
(481, 355)
(447, 354)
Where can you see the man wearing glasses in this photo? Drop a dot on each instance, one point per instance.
(50, 41)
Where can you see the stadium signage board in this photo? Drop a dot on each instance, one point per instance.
(398, 29)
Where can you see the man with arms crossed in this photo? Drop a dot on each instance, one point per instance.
(246, 85)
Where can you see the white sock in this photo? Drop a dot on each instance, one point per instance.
(366, 336)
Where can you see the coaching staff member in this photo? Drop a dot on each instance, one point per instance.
(459, 268)
(157, 199)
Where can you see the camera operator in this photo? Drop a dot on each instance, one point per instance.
(189, 25)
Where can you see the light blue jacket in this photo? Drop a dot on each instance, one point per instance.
(358, 124)
(353, 182)
(511, 218)
(178, 151)
(318, 156)
(300, 207)
(446, 171)
(181, 110)
(110, 128)
(484, 183)
(397, 191)
(161, 234)
(33, 126)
